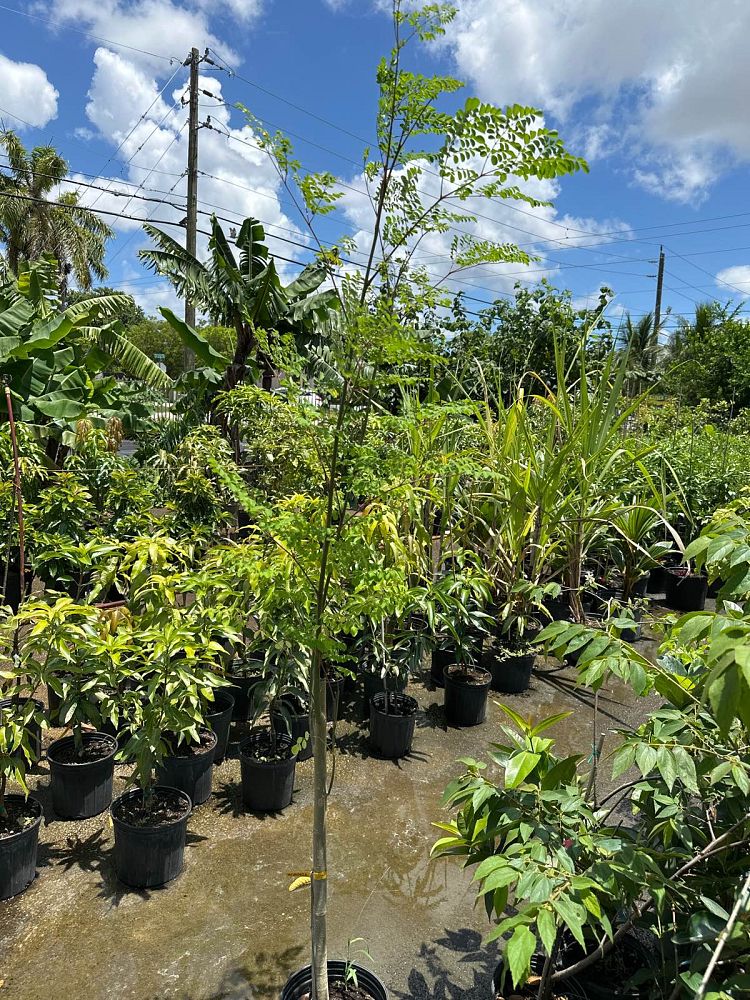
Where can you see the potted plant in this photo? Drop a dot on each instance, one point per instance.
(62, 648)
(581, 880)
(633, 549)
(20, 815)
(162, 711)
(511, 658)
(457, 618)
(685, 590)
(268, 757)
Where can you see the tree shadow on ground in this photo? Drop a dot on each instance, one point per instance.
(228, 801)
(261, 977)
(95, 854)
(435, 974)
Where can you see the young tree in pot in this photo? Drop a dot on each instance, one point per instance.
(457, 619)
(268, 757)
(511, 658)
(61, 648)
(169, 681)
(20, 815)
(633, 548)
(366, 338)
(396, 652)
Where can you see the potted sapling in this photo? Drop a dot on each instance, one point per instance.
(20, 813)
(62, 647)
(396, 652)
(167, 741)
(511, 658)
(268, 757)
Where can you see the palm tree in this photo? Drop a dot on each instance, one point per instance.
(643, 350)
(31, 228)
(245, 294)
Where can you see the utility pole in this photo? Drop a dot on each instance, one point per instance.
(659, 284)
(191, 224)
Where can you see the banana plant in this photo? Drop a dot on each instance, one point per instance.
(56, 360)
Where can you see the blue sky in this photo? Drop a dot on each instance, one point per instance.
(653, 94)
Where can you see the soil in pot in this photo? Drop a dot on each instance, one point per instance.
(267, 771)
(218, 717)
(686, 591)
(244, 676)
(369, 987)
(293, 719)
(19, 838)
(81, 778)
(392, 723)
(466, 690)
(189, 768)
(150, 836)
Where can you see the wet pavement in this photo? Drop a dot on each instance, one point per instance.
(228, 927)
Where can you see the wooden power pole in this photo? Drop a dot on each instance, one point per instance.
(659, 285)
(191, 225)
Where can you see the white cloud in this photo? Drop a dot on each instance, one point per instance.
(237, 178)
(27, 92)
(672, 77)
(736, 278)
(154, 28)
(497, 220)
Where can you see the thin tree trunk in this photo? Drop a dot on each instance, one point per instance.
(319, 880)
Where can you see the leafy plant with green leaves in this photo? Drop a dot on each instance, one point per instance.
(16, 753)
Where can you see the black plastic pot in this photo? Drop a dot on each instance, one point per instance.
(149, 856)
(35, 729)
(294, 720)
(13, 594)
(640, 587)
(18, 852)
(81, 790)
(599, 599)
(191, 774)
(511, 673)
(441, 658)
(300, 984)
(267, 786)
(374, 684)
(392, 732)
(558, 608)
(465, 703)
(242, 688)
(219, 718)
(657, 580)
(686, 592)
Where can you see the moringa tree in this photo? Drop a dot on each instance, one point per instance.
(32, 228)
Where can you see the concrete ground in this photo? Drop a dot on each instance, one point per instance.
(228, 928)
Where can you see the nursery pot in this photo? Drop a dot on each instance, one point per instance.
(441, 658)
(300, 984)
(392, 731)
(267, 785)
(242, 687)
(657, 580)
(511, 673)
(686, 591)
(293, 718)
(34, 730)
(466, 694)
(558, 608)
(219, 719)
(152, 854)
(374, 684)
(190, 770)
(18, 851)
(14, 593)
(82, 788)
